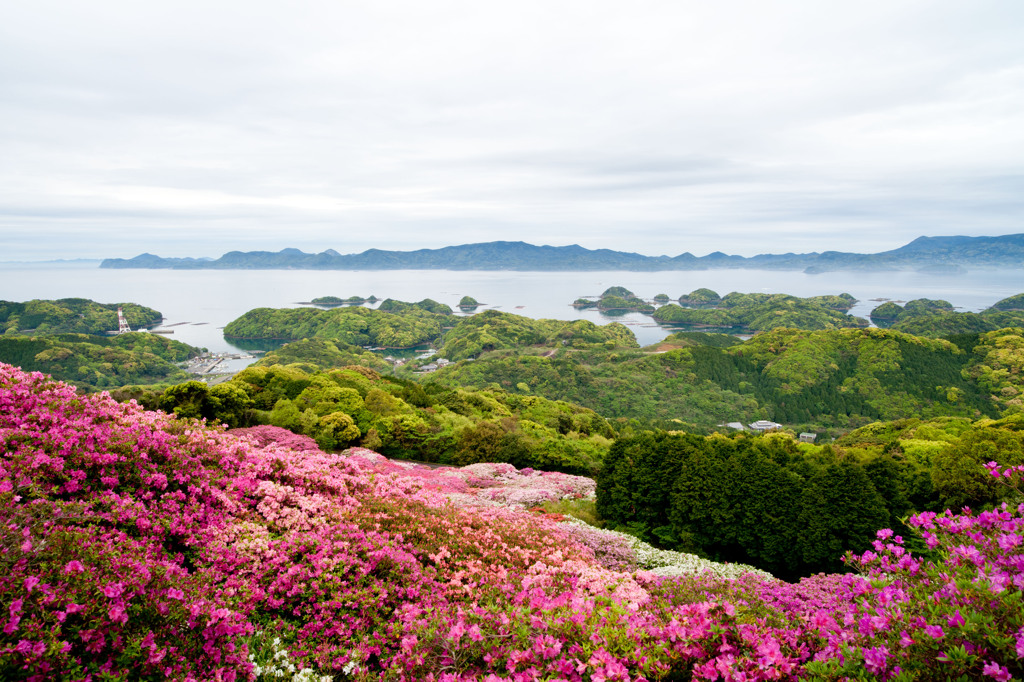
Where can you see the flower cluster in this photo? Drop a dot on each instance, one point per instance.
(136, 545)
(960, 613)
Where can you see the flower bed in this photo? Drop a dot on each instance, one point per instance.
(138, 546)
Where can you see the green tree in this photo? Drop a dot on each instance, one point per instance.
(840, 510)
(286, 415)
(336, 430)
(479, 443)
(231, 405)
(190, 399)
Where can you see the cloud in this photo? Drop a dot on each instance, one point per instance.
(656, 127)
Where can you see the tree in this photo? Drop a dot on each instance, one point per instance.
(840, 510)
(190, 399)
(231, 405)
(336, 430)
(480, 443)
(286, 415)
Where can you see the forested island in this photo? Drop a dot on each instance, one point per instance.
(735, 313)
(71, 339)
(669, 535)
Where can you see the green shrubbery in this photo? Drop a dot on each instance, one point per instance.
(793, 509)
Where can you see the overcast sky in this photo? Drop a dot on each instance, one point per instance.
(747, 126)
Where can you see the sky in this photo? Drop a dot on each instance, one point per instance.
(746, 126)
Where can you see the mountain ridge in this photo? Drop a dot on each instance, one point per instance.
(923, 252)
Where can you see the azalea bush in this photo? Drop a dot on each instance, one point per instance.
(957, 615)
(136, 545)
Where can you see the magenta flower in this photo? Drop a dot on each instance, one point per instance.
(117, 613)
(875, 659)
(371, 568)
(113, 590)
(996, 671)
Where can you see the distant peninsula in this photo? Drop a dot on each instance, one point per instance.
(945, 255)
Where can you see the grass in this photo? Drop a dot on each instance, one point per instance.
(583, 509)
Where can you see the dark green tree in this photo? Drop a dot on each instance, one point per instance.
(840, 510)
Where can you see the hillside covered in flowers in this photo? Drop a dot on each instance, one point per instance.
(136, 545)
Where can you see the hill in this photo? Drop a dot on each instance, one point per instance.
(921, 254)
(71, 315)
(69, 339)
(812, 380)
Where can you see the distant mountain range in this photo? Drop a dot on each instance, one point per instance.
(930, 254)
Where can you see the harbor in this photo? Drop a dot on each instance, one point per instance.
(216, 367)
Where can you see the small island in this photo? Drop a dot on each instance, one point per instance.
(616, 300)
(703, 310)
(334, 301)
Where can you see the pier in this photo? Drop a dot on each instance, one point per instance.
(207, 364)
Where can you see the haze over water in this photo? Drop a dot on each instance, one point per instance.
(209, 299)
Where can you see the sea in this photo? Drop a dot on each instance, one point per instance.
(197, 304)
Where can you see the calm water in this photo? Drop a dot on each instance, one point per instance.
(201, 302)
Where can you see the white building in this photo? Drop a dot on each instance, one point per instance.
(764, 425)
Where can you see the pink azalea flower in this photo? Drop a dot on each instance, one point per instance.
(113, 590)
(875, 659)
(996, 671)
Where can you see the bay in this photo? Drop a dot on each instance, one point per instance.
(197, 304)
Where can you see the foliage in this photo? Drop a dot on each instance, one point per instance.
(95, 362)
(700, 297)
(840, 302)
(617, 300)
(468, 302)
(999, 367)
(321, 353)
(937, 318)
(494, 330)
(756, 500)
(403, 328)
(818, 379)
(958, 616)
(745, 313)
(71, 315)
(225, 403)
(885, 314)
(427, 305)
(1010, 303)
(329, 300)
(354, 405)
(686, 339)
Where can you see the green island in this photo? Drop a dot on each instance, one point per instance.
(394, 324)
(937, 318)
(71, 315)
(616, 300)
(337, 300)
(703, 309)
(70, 340)
(748, 313)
